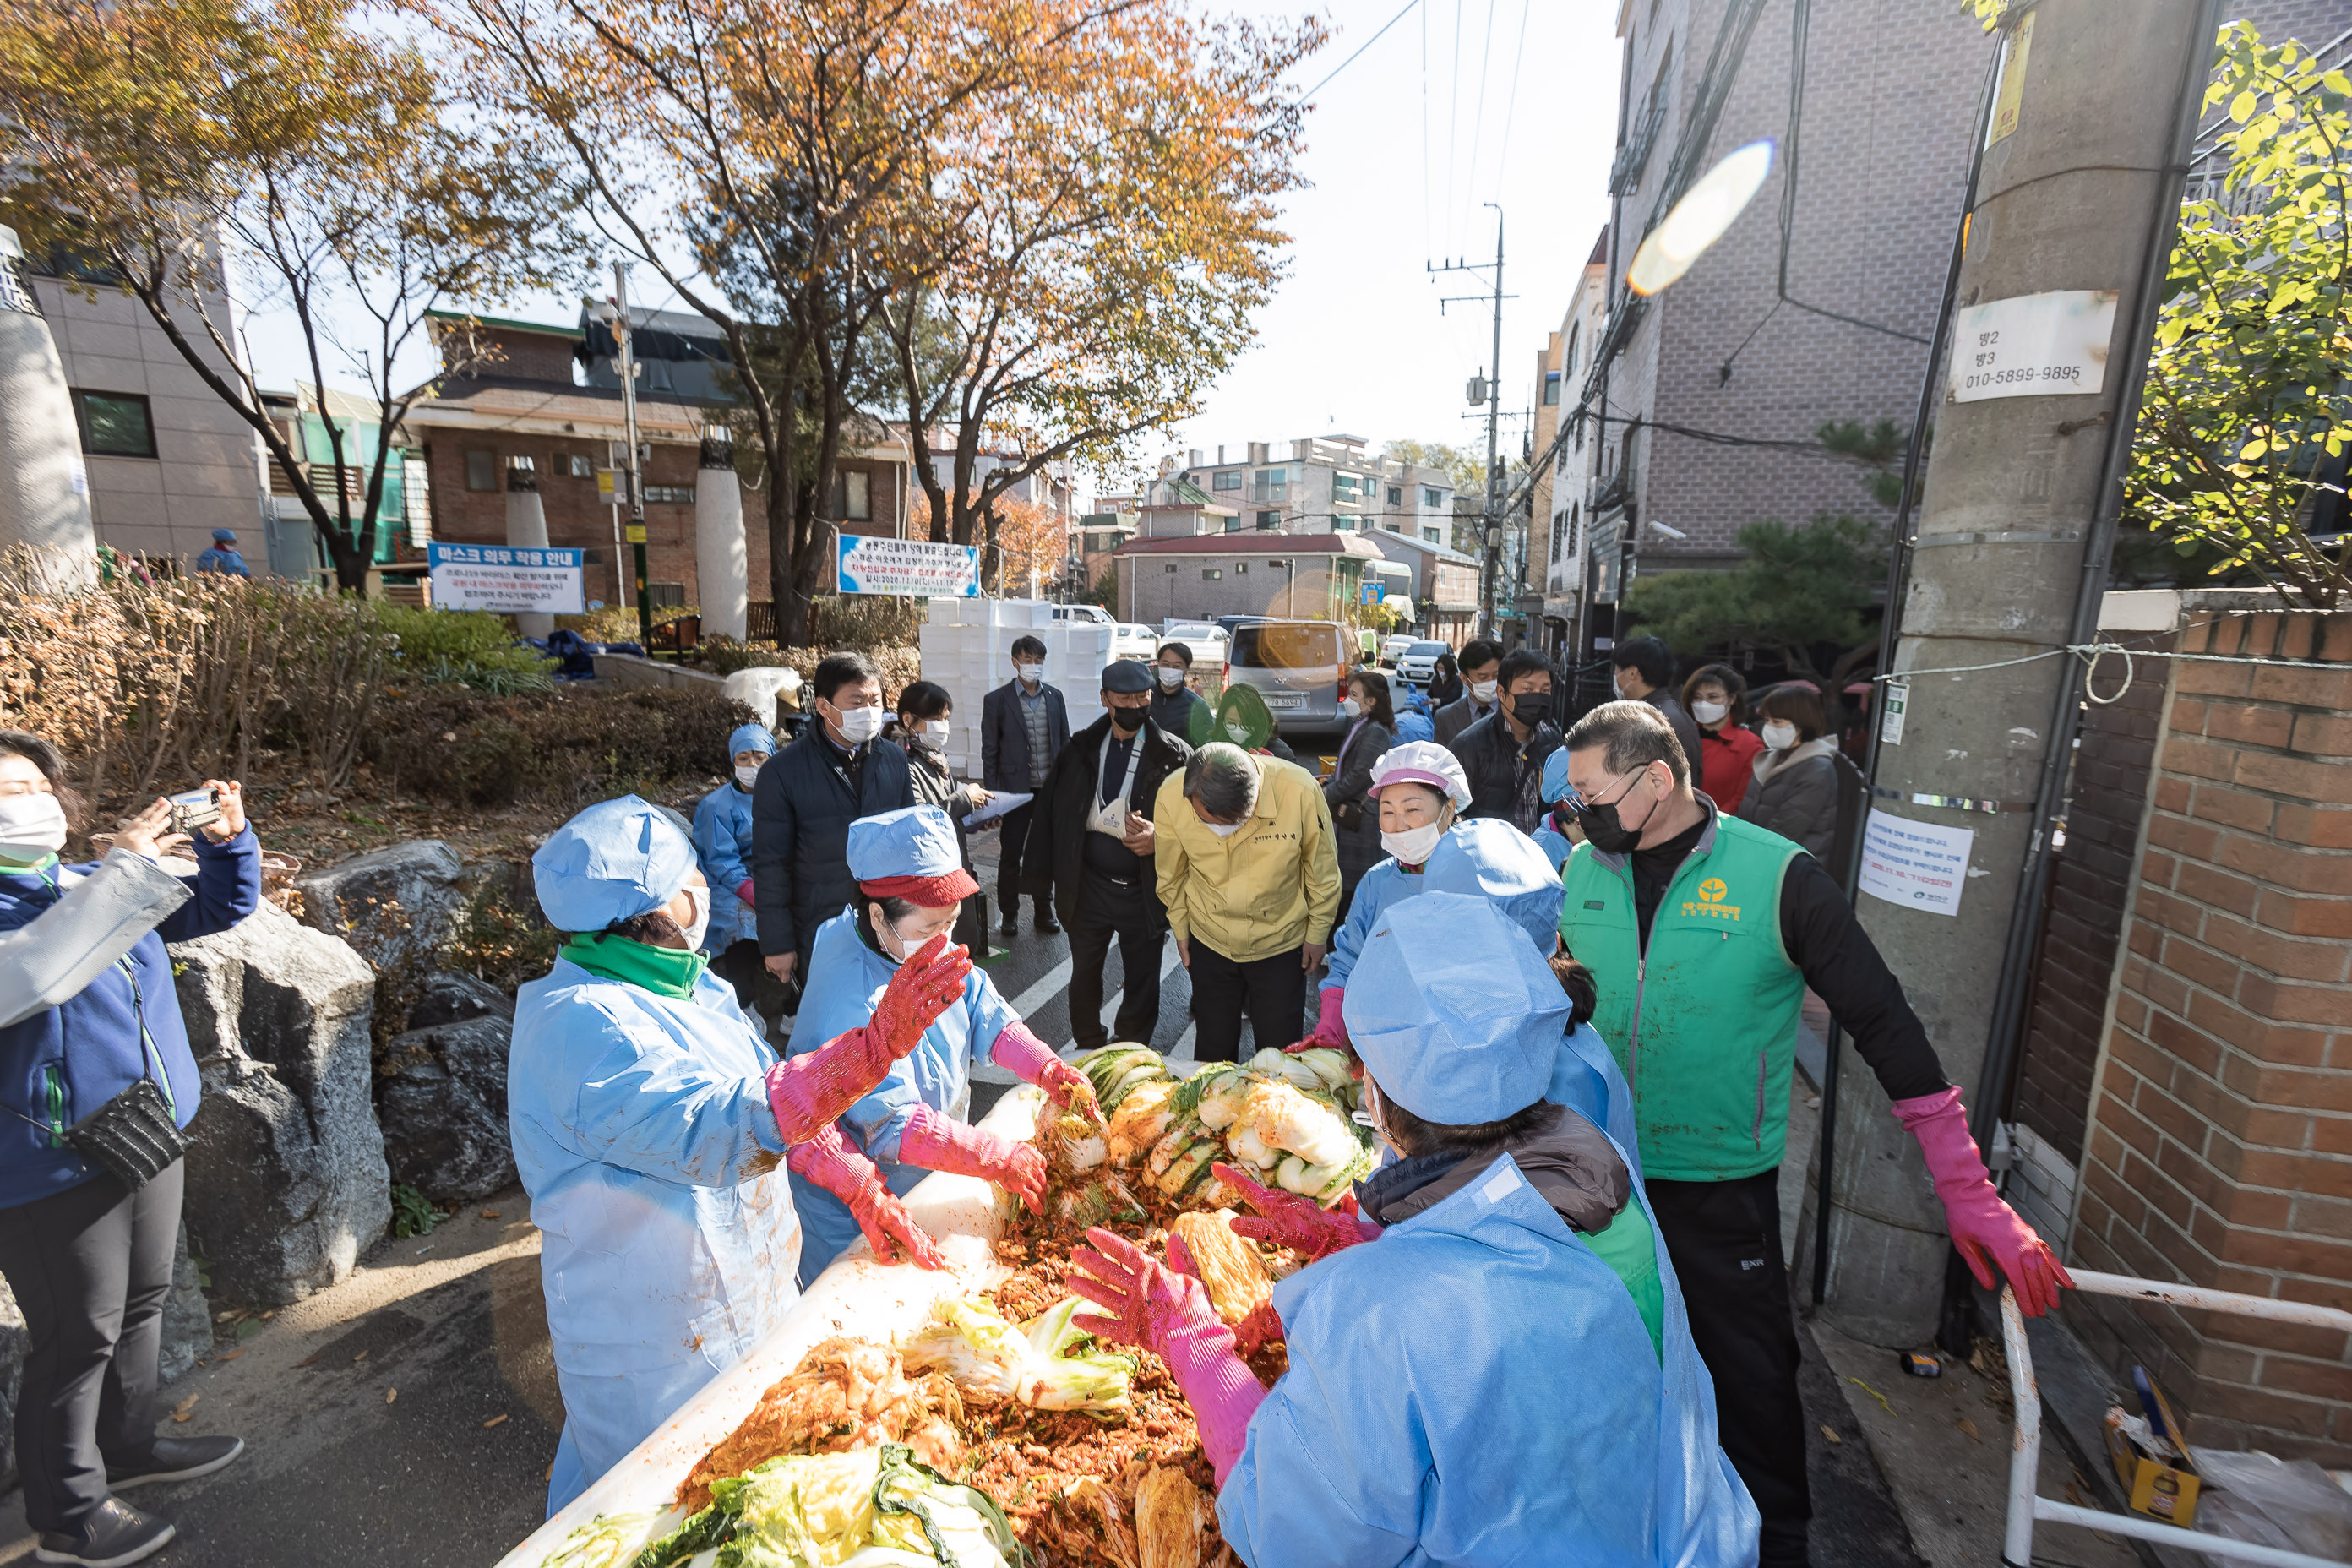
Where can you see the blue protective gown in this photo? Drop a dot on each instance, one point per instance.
(1553, 843)
(846, 979)
(722, 844)
(1477, 1389)
(1485, 857)
(669, 1243)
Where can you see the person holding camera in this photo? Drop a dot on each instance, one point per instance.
(97, 1082)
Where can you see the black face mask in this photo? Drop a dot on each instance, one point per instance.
(1605, 832)
(1531, 708)
(1126, 721)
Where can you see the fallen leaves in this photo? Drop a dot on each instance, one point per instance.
(1967, 1427)
(498, 1420)
(1832, 1436)
(1873, 1393)
(186, 1408)
(231, 1355)
(390, 1394)
(490, 1214)
(361, 1356)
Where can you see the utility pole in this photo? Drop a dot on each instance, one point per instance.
(627, 366)
(1490, 535)
(2079, 193)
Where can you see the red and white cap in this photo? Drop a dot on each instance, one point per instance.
(910, 854)
(1423, 763)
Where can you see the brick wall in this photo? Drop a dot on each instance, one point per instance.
(2220, 1132)
(576, 518)
(2089, 885)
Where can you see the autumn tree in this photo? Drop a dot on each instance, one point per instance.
(1094, 250)
(167, 146)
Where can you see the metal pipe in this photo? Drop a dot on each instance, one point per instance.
(2025, 1447)
(2200, 1298)
(2173, 1535)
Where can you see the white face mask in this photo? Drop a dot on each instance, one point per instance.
(1708, 712)
(1224, 830)
(747, 775)
(1414, 845)
(1617, 685)
(1483, 691)
(859, 725)
(1351, 709)
(700, 927)
(32, 828)
(1779, 735)
(1238, 733)
(932, 734)
(1169, 680)
(894, 947)
(1030, 674)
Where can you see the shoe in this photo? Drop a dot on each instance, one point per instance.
(1009, 926)
(114, 1533)
(1047, 924)
(176, 1459)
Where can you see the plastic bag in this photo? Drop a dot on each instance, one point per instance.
(2258, 1498)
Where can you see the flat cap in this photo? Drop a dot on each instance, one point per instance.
(1127, 676)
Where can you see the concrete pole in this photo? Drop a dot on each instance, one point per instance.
(44, 486)
(722, 568)
(527, 529)
(2079, 191)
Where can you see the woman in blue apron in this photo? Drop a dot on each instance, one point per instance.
(910, 881)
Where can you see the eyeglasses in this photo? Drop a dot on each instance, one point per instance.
(1575, 801)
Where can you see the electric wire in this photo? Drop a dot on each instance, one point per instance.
(1427, 235)
(1511, 105)
(1358, 54)
(1478, 115)
(1452, 122)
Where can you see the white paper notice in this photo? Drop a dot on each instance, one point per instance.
(2034, 345)
(1919, 864)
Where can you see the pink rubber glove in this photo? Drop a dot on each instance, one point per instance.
(1032, 1060)
(1331, 1031)
(808, 1091)
(828, 1162)
(1261, 1326)
(743, 890)
(1286, 1219)
(1982, 1226)
(939, 1143)
(1169, 1315)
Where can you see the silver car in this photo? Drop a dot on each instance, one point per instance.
(1418, 663)
(1300, 669)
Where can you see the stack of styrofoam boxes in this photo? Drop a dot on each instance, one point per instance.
(967, 646)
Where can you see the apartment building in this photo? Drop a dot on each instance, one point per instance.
(1323, 484)
(1554, 585)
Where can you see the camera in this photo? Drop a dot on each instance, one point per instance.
(196, 808)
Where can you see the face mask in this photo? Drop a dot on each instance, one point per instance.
(1030, 674)
(1708, 712)
(1606, 832)
(700, 926)
(1238, 733)
(32, 828)
(1779, 736)
(1483, 691)
(1414, 845)
(859, 725)
(1351, 709)
(747, 777)
(1127, 720)
(1531, 707)
(1169, 680)
(1617, 685)
(1224, 830)
(932, 734)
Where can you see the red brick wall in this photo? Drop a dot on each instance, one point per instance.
(576, 518)
(2221, 1144)
(2090, 882)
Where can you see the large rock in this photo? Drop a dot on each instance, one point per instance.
(14, 1343)
(396, 905)
(444, 1108)
(451, 996)
(187, 1319)
(287, 1182)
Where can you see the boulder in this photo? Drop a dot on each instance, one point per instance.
(451, 996)
(187, 1318)
(14, 1343)
(444, 1108)
(286, 1182)
(396, 905)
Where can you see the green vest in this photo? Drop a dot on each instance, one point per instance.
(1705, 1026)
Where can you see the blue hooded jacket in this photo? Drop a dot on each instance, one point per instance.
(63, 1062)
(722, 843)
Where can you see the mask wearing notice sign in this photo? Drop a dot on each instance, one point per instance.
(1919, 864)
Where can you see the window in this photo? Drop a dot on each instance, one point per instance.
(1568, 362)
(1269, 519)
(114, 423)
(1210, 575)
(1230, 480)
(481, 470)
(675, 495)
(1551, 389)
(579, 465)
(1171, 569)
(1429, 536)
(1396, 495)
(1431, 496)
(853, 497)
(1242, 569)
(661, 594)
(1274, 475)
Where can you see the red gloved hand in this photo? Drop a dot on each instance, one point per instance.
(938, 1142)
(806, 1092)
(1982, 1226)
(1331, 1030)
(1169, 1315)
(1032, 1060)
(1286, 1219)
(829, 1162)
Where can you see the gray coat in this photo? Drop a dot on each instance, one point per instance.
(1358, 848)
(1004, 761)
(1796, 795)
(1459, 715)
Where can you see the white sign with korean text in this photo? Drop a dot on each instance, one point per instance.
(2034, 345)
(1919, 864)
(865, 564)
(509, 579)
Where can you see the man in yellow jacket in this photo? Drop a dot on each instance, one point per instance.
(1251, 880)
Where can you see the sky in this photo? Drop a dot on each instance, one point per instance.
(1459, 103)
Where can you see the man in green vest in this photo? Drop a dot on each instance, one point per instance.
(1703, 932)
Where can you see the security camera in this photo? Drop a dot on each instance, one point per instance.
(1670, 531)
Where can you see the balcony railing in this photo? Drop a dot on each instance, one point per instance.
(1625, 173)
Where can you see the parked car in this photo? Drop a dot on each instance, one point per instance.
(1129, 641)
(1208, 641)
(1419, 662)
(1300, 667)
(1392, 646)
(1094, 613)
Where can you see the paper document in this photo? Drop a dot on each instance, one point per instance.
(1004, 801)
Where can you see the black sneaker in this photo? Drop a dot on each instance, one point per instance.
(1009, 926)
(114, 1533)
(176, 1459)
(1047, 924)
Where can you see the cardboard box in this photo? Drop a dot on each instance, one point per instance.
(2161, 1487)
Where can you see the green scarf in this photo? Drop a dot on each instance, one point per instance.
(13, 869)
(664, 971)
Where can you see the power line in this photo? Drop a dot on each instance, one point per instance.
(1478, 119)
(1426, 235)
(1453, 118)
(1367, 44)
(1511, 109)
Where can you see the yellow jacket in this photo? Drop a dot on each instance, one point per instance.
(1265, 889)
